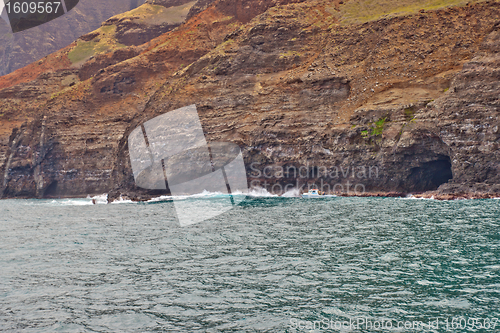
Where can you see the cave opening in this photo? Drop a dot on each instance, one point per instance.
(430, 175)
(51, 190)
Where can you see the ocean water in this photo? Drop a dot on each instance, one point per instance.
(269, 265)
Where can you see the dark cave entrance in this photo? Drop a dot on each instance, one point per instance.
(51, 190)
(430, 175)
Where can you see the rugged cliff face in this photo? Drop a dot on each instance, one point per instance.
(20, 49)
(399, 104)
(100, 48)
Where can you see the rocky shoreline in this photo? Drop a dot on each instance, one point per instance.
(435, 195)
(430, 195)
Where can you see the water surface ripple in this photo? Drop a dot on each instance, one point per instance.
(70, 267)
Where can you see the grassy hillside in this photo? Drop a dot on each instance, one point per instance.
(360, 11)
(106, 40)
(85, 49)
(156, 14)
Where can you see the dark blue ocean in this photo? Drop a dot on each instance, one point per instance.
(269, 265)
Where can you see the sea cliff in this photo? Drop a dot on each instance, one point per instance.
(411, 95)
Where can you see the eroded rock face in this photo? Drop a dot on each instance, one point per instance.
(289, 119)
(131, 31)
(401, 105)
(468, 119)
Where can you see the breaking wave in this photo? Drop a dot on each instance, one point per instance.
(293, 193)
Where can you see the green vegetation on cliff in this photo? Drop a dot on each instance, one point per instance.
(86, 49)
(360, 11)
(106, 36)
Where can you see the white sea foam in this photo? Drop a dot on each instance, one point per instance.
(255, 192)
(260, 192)
(293, 193)
(412, 197)
(161, 198)
(120, 200)
(99, 199)
(71, 202)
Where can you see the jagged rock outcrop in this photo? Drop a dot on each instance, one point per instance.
(468, 119)
(398, 105)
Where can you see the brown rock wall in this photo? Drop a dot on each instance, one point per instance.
(413, 99)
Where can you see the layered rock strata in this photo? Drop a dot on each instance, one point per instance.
(394, 106)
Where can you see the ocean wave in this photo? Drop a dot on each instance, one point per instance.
(293, 193)
(120, 200)
(254, 192)
(411, 197)
(70, 202)
(88, 201)
(204, 194)
(259, 192)
(99, 199)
